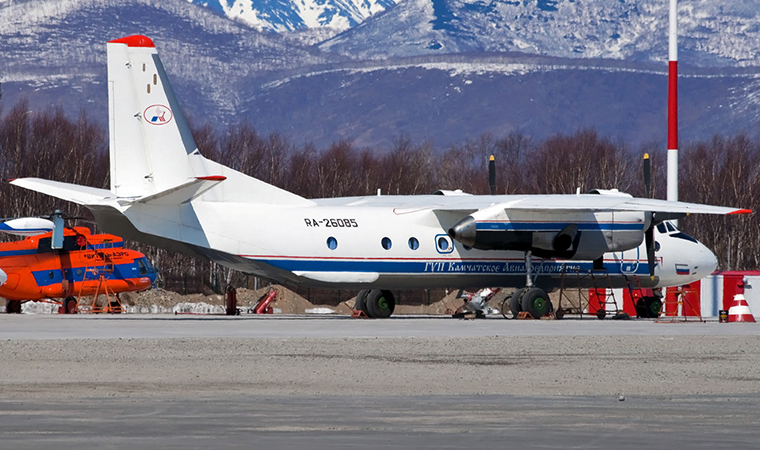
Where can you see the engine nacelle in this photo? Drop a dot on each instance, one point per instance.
(570, 235)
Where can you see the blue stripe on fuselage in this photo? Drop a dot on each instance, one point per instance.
(444, 266)
(76, 274)
(556, 226)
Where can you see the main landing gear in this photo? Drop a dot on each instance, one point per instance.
(13, 306)
(376, 303)
(530, 299)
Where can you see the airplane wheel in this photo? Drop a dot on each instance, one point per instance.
(515, 302)
(13, 306)
(69, 305)
(361, 302)
(506, 310)
(536, 302)
(653, 305)
(380, 303)
(601, 314)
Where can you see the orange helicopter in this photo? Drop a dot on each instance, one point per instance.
(67, 264)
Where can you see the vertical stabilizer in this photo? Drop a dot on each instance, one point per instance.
(149, 138)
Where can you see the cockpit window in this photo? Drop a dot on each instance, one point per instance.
(661, 228)
(670, 226)
(682, 235)
(142, 267)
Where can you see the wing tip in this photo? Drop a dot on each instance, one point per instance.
(742, 211)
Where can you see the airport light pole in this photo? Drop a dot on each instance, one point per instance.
(673, 103)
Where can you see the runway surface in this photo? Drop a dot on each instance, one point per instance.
(146, 382)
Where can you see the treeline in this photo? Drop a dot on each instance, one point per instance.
(722, 171)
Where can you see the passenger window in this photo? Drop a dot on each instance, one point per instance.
(386, 243)
(332, 243)
(443, 244)
(414, 244)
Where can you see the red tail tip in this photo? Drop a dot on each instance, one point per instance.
(137, 40)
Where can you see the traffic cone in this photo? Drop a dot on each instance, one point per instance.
(740, 311)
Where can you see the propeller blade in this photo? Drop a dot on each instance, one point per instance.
(27, 226)
(492, 175)
(57, 243)
(647, 176)
(649, 237)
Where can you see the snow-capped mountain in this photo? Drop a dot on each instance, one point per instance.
(725, 33)
(434, 70)
(283, 16)
(54, 52)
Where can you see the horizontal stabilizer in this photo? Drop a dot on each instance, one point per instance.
(183, 193)
(82, 195)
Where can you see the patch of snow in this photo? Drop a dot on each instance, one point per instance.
(319, 311)
(197, 308)
(34, 307)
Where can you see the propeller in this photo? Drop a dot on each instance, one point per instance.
(649, 234)
(492, 175)
(647, 176)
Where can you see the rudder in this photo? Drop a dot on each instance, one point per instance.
(149, 144)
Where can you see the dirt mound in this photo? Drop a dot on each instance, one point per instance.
(288, 302)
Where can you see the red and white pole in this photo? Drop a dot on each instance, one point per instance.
(673, 103)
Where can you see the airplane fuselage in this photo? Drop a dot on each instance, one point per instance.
(383, 242)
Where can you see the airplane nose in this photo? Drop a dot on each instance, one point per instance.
(707, 263)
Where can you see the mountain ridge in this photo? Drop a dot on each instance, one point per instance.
(224, 72)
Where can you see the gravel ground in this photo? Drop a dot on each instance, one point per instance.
(510, 365)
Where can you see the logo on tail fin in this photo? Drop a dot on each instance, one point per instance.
(158, 114)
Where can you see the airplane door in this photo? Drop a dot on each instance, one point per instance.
(628, 261)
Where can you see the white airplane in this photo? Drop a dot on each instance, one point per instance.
(164, 192)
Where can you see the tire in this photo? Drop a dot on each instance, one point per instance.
(506, 310)
(361, 302)
(653, 305)
(648, 307)
(601, 314)
(536, 302)
(69, 305)
(380, 303)
(13, 306)
(515, 302)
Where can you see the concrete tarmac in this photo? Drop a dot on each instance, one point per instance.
(184, 382)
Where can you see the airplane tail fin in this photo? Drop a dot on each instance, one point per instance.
(152, 150)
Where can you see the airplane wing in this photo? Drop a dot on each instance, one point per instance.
(581, 203)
